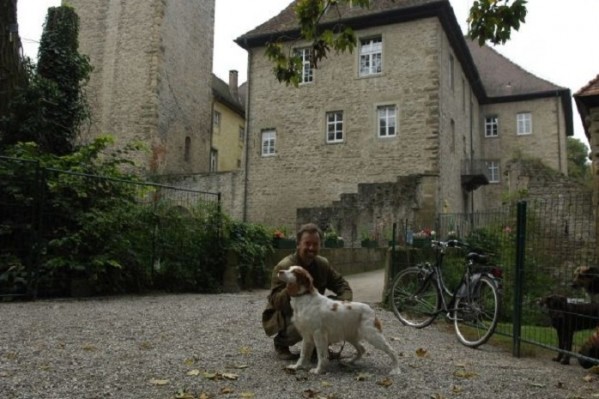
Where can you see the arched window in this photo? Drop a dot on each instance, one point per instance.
(187, 154)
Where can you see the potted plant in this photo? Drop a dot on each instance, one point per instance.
(331, 239)
(280, 241)
(422, 238)
(368, 241)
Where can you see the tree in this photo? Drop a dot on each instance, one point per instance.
(578, 159)
(489, 20)
(52, 107)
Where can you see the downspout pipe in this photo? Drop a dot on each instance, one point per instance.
(247, 136)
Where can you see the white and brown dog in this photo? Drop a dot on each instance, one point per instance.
(322, 321)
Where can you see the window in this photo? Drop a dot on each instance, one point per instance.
(371, 56)
(269, 139)
(491, 126)
(216, 118)
(307, 74)
(241, 134)
(335, 127)
(524, 122)
(387, 117)
(213, 160)
(493, 168)
(451, 72)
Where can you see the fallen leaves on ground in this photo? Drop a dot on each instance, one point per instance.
(159, 382)
(463, 373)
(385, 382)
(363, 377)
(421, 352)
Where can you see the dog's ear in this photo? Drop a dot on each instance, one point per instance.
(305, 279)
(292, 289)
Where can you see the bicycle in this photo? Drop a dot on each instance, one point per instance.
(419, 294)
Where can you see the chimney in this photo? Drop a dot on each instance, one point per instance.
(233, 87)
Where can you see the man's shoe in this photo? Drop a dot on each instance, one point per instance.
(283, 353)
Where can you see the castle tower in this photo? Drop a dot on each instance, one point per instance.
(152, 75)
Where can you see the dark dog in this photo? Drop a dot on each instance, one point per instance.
(587, 278)
(568, 318)
(590, 349)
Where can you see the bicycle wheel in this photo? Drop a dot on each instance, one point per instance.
(475, 315)
(415, 297)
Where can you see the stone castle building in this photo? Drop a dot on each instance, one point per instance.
(416, 121)
(152, 78)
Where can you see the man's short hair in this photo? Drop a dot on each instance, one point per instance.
(309, 228)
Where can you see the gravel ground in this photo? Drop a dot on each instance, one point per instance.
(213, 346)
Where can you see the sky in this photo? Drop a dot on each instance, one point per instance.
(557, 43)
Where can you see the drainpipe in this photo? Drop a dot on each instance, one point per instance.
(247, 140)
(559, 132)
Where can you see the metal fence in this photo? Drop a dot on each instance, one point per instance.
(53, 221)
(540, 244)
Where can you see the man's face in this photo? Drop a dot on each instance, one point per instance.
(308, 247)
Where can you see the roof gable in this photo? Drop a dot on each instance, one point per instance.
(220, 90)
(590, 89)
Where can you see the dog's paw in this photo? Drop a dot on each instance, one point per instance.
(316, 370)
(293, 367)
(395, 371)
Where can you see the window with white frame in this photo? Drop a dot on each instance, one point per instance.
(307, 74)
(269, 140)
(524, 123)
(216, 118)
(334, 127)
(213, 160)
(371, 56)
(241, 134)
(491, 126)
(387, 120)
(493, 171)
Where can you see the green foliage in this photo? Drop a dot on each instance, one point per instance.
(489, 20)
(578, 160)
(493, 20)
(52, 107)
(251, 243)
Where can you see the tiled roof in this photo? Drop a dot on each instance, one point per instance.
(220, 90)
(590, 89)
(493, 77)
(501, 77)
(286, 20)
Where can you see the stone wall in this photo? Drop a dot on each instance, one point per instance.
(152, 64)
(374, 209)
(308, 172)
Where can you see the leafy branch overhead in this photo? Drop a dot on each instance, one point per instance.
(489, 20)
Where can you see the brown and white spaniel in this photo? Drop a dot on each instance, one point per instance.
(322, 321)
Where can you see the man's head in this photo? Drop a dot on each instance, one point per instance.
(309, 237)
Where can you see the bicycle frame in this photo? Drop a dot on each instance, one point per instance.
(466, 286)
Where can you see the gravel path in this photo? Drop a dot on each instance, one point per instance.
(213, 346)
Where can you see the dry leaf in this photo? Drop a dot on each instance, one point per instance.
(146, 345)
(437, 396)
(456, 389)
(226, 391)
(588, 378)
(421, 352)
(230, 376)
(363, 377)
(210, 376)
(190, 361)
(89, 347)
(395, 339)
(155, 381)
(310, 393)
(204, 395)
(193, 372)
(238, 366)
(385, 382)
(245, 350)
(247, 395)
(594, 370)
(464, 374)
(326, 384)
(184, 395)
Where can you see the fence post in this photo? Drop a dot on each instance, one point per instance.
(519, 277)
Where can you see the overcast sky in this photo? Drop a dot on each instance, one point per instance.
(557, 43)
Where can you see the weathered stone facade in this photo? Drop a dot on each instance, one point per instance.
(308, 171)
(430, 74)
(152, 77)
